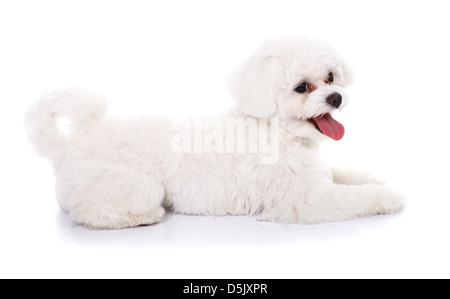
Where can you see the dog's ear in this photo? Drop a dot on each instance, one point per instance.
(254, 85)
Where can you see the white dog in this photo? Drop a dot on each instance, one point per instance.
(115, 174)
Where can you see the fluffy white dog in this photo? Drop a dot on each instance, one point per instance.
(116, 174)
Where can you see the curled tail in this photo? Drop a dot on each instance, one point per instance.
(80, 107)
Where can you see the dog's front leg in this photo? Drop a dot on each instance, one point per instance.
(328, 202)
(335, 202)
(345, 176)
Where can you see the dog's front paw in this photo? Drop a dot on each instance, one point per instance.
(343, 176)
(389, 201)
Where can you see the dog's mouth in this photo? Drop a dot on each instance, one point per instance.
(328, 126)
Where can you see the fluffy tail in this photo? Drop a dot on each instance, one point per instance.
(81, 108)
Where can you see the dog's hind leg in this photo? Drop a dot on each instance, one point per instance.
(118, 196)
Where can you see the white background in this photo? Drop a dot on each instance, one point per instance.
(174, 58)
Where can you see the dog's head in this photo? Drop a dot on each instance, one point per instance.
(300, 81)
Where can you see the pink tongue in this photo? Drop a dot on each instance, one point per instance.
(330, 127)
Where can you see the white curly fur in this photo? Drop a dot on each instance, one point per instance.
(115, 174)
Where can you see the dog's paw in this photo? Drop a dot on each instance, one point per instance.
(343, 176)
(389, 201)
(110, 219)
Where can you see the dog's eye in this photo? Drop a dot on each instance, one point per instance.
(330, 78)
(301, 88)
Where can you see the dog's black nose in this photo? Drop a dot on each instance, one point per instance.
(334, 99)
